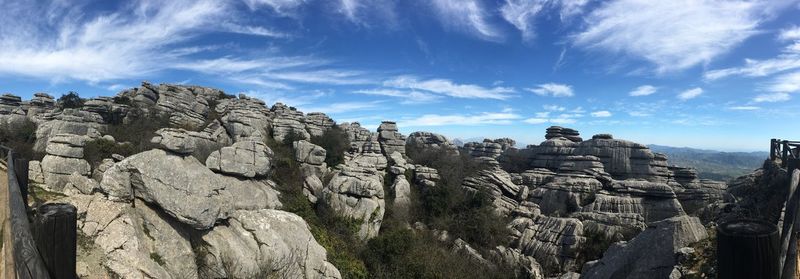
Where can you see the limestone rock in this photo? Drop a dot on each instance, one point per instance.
(175, 140)
(357, 193)
(309, 153)
(497, 184)
(651, 254)
(82, 183)
(553, 242)
(66, 145)
(244, 158)
(35, 173)
(566, 194)
(264, 244)
(183, 187)
(318, 123)
(431, 141)
(561, 132)
(287, 121)
(68, 121)
(524, 266)
(390, 139)
(244, 118)
(56, 170)
(426, 176)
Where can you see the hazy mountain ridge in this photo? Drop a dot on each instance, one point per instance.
(713, 164)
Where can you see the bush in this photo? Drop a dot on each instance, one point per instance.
(335, 142)
(336, 234)
(70, 100)
(448, 206)
(95, 151)
(21, 137)
(403, 253)
(140, 128)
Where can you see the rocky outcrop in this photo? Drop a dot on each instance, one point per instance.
(551, 153)
(553, 242)
(244, 118)
(184, 107)
(357, 193)
(64, 158)
(286, 121)
(651, 254)
(312, 167)
(431, 142)
(390, 139)
(426, 176)
(318, 123)
(497, 184)
(626, 160)
(68, 121)
(524, 266)
(561, 132)
(566, 194)
(488, 148)
(263, 244)
(174, 140)
(244, 159)
(184, 188)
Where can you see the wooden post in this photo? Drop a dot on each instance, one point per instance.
(748, 249)
(772, 151)
(21, 170)
(56, 237)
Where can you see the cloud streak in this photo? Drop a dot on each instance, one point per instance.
(552, 89)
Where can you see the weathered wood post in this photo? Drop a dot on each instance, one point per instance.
(748, 249)
(56, 237)
(21, 170)
(773, 143)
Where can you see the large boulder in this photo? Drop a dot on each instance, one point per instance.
(64, 158)
(69, 121)
(357, 193)
(428, 141)
(263, 244)
(184, 188)
(651, 254)
(318, 123)
(244, 158)
(287, 121)
(497, 184)
(390, 139)
(553, 242)
(244, 118)
(175, 140)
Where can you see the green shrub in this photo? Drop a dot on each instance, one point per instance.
(448, 206)
(140, 128)
(21, 137)
(70, 100)
(95, 151)
(335, 142)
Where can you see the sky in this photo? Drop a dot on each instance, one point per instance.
(721, 75)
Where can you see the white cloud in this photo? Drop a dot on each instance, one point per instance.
(673, 35)
(281, 7)
(409, 97)
(467, 16)
(643, 90)
(787, 83)
(552, 89)
(450, 88)
(543, 114)
(342, 107)
(690, 94)
(253, 30)
(521, 14)
(486, 118)
(772, 98)
(563, 120)
(790, 34)
(554, 108)
(639, 114)
(536, 120)
(602, 113)
(757, 68)
(744, 108)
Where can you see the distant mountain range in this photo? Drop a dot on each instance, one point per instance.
(712, 164)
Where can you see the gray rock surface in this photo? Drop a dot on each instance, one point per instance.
(318, 123)
(651, 254)
(244, 158)
(174, 140)
(264, 244)
(357, 193)
(430, 141)
(390, 139)
(553, 242)
(286, 121)
(183, 187)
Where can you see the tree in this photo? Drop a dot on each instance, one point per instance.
(70, 100)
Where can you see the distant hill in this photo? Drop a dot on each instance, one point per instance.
(712, 164)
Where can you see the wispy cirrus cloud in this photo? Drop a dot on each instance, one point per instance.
(407, 96)
(486, 118)
(449, 88)
(552, 89)
(468, 16)
(601, 113)
(673, 35)
(771, 98)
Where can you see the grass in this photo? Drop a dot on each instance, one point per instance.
(40, 195)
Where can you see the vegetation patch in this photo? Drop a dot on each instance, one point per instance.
(335, 143)
(157, 258)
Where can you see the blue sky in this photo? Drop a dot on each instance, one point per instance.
(710, 74)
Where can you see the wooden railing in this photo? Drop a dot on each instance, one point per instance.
(788, 152)
(20, 254)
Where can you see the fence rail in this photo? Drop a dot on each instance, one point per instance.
(788, 152)
(21, 256)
